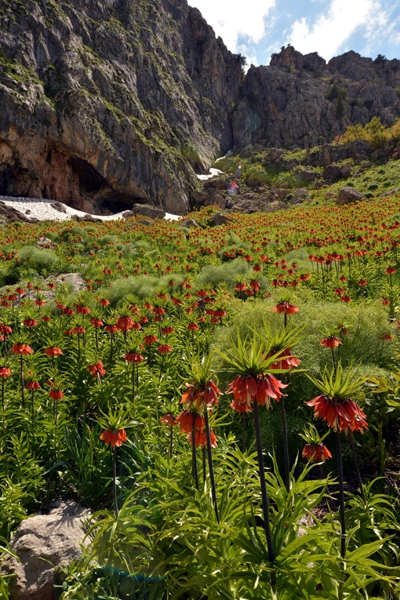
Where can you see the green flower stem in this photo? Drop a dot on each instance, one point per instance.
(21, 364)
(353, 450)
(333, 360)
(171, 440)
(115, 480)
(33, 406)
(341, 497)
(285, 444)
(243, 432)
(194, 457)
(210, 463)
(133, 381)
(2, 398)
(264, 492)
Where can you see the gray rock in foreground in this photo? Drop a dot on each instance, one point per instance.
(40, 542)
(347, 195)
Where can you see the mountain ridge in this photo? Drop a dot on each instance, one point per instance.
(107, 103)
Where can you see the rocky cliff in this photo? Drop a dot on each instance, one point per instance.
(303, 101)
(105, 103)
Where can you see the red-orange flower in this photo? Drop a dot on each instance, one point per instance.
(285, 360)
(200, 438)
(167, 330)
(168, 419)
(343, 414)
(5, 372)
(316, 452)
(133, 357)
(83, 310)
(247, 388)
(200, 394)
(164, 349)
(185, 421)
(96, 322)
(53, 351)
(125, 323)
(330, 342)
(114, 438)
(286, 307)
(32, 385)
(30, 322)
(97, 369)
(21, 349)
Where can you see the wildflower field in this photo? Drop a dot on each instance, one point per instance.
(225, 400)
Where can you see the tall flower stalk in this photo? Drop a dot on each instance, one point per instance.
(255, 385)
(336, 407)
(114, 435)
(280, 343)
(202, 395)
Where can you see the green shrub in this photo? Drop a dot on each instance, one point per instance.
(42, 260)
(227, 273)
(108, 239)
(141, 286)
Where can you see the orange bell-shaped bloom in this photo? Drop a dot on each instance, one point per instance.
(316, 452)
(340, 414)
(114, 438)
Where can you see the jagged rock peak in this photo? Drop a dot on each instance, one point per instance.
(289, 57)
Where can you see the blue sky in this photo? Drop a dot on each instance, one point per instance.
(256, 28)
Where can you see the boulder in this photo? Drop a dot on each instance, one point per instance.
(346, 171)
(360, 150)
(333, 173)
(347, 195)
(200, 198)
(152, 212)
(217, 200)
(86, 218)
(274, 206)
(329, 195)
(307, 175)
(44, 242)
(43, 543)
(189, 223)
(300, 193)
(12, 215)
(58, 206)
(216, 184)
(218, 219)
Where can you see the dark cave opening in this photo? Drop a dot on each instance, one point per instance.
(116, 203)
(90, 181)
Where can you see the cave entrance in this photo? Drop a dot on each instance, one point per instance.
(90, 181)
(116, 202)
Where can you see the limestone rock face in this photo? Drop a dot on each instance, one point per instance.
(302, 101)
(54, 538)
(108, 103)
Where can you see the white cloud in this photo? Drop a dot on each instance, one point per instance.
(327, 34)
(232, 19)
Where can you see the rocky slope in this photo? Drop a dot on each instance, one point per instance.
(303, 101)
(110, 102)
